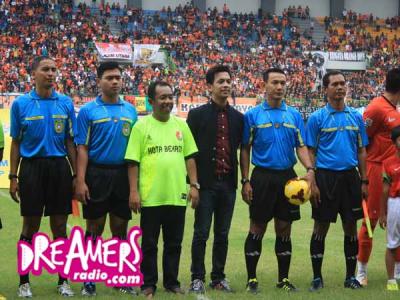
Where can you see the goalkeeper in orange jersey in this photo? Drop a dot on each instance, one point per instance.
(380, 117)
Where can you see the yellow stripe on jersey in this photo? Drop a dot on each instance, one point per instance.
(34, 118)
(299, 137)
(355, 128)
(332, 129)
(59, 116)
(266, 125)
(287, 125)
(101, 120)
(251, 135)
(126, 119)
(87, 136)
(71, 132)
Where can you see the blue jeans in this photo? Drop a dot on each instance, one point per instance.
(220, 201)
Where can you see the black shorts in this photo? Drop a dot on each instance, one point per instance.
(340, 193)
(109, 191)
(269, 200)
(45, 184)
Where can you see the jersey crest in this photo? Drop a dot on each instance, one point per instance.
(126, 129)
(59, 126)
(179, 135)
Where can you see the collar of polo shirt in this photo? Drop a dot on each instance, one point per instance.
(100, 101)
(35, 96)
(266, 106)
(331, 110)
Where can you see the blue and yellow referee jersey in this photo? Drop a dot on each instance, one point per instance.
(336, 136)
(42, 124)
(105, 129)
(273, 133)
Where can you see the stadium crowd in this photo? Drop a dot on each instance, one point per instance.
(249, 43)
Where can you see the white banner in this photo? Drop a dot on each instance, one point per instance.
(114, 52)
(144, 54)
(347, 56)
(355, 61)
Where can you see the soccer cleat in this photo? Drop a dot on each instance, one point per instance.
(65, 290)
(222, 285)
(352, 283)
(316, 284)
(392, 285)
(286, 285)
(88, 289)
(197, 287)
(24, 290)
(127, 290)
(252, 286)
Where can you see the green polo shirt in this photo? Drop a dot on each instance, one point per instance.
(161, 149)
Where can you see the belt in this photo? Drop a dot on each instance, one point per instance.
(104, 166)
(43, 157)
(222, 177)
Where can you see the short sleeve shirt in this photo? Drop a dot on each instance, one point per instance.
(380, 116)
(391, 175)
(105, 128)
(336, 136)
(273, 133)
(160, 148)
(42, 124)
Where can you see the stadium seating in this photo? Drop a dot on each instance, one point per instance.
(249, 43)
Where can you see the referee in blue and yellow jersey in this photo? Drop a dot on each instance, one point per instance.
(104, 126)
(42, 130)
(336, 138)
(272, 131)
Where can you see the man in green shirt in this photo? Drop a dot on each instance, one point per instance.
(161, 148)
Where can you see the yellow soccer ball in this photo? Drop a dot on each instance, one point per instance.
(297, 191)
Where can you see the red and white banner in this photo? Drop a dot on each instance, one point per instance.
(117, 52)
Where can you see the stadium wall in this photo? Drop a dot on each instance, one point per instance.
(157, 4)
(236, 5)
(89, 3)
(381, 9)
(317, 7)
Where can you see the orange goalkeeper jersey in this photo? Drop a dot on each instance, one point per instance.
(380, 117)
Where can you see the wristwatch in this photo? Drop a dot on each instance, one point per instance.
(365, 181)
(310, 169)
(12, 176)
(196, 185)
(244, 180)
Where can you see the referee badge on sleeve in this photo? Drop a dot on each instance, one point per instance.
(126, 129)
(59, 126)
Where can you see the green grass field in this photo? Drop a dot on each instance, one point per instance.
(301, 273)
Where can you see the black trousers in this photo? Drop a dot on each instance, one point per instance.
(171, 219)
(218, 201)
